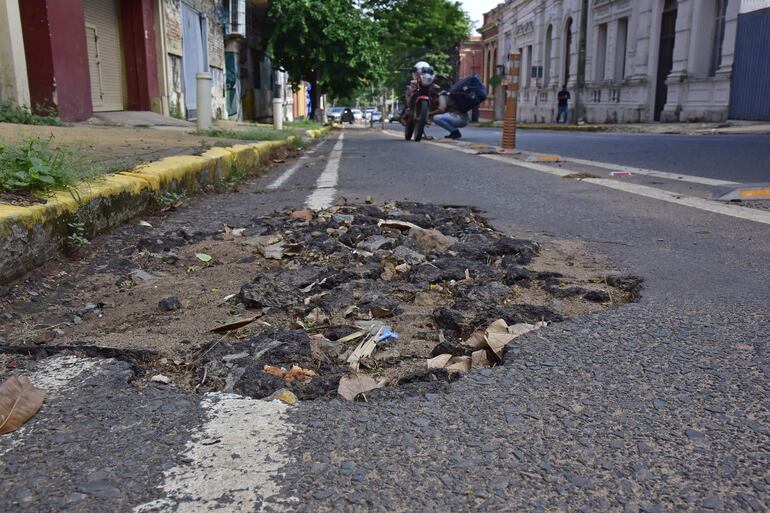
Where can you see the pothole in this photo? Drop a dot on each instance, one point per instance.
(394, 298)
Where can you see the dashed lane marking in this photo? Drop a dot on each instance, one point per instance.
(326, 185)
(232, 463)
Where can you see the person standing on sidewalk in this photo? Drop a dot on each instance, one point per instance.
(563, 97)
(449, 117)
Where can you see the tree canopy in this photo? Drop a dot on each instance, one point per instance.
(332, 41)
(348, 45)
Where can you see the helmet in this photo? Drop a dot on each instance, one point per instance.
(423, 72)
(422, 67)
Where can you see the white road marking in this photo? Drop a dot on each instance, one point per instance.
(749, 214)
(54, 375)
(649, 172)
(232, 463)
(326, 185)
(285, 175)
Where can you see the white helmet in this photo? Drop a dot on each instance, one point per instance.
(424, 72)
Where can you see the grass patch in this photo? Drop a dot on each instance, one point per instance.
(12, 113)
(36, 167)
(252, 134)
(306, 124)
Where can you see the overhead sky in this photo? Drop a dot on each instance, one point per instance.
(477, 8)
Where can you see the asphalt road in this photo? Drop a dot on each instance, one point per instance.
(659, 405)
(739, 158)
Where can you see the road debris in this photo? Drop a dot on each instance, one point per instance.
(170, 304)
(351, 385)
(160, 378)
(19, 401)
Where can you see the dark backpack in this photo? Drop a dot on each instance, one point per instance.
(468, 93)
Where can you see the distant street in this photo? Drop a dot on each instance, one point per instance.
(740, 158)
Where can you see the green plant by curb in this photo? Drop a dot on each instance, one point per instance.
(12, 113)
(76, 238)
(171, 200)
(36, 167)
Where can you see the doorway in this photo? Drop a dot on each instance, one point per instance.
(665, 55)
(194, 55)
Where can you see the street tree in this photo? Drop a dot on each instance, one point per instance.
(333, 44)
(415, 30)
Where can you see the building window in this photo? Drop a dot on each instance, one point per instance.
(601, 53)
(528, 71)
(567, 50)
(720, 7)
(621, 46)
(547, 56)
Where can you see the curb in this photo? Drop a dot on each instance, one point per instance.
(29, 235)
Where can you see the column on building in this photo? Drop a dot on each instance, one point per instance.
(14, 86)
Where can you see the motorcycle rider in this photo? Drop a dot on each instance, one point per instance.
(421, 72)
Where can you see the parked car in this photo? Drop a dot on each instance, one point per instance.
(347, 116)
(335, 113)
(376, 116)
(358, 115)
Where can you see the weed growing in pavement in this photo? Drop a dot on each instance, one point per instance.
(10, 112)
(306, 124)
(76, 238)
(37, 167)
(171, 200)
(252, 134)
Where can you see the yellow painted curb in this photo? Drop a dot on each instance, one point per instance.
(27, 235)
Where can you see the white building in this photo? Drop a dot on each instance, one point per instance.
(644, 60)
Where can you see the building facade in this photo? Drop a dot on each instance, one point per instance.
(78, 57)
(627, 61)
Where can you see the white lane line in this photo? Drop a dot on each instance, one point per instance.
(285, 175)
(232, 463)
(749, 214)
(54, 375)
(326, 185)
(649, 172)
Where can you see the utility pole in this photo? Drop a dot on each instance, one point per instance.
(581, 71)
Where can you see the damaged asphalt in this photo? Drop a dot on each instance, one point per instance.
(658, 405)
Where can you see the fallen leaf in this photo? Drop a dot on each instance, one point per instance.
(479, 359)
(439, 362)
(353, 384)
(19, 401)
(203, 257)
(296, 373)
(379, 312)
(236, 324)
(476, 340)
(317, 316)
(145, 223)
(340, 202)
(262, 240)
(459, 364)
(397, 225)
(363, 350)
(305, 214)
(273, 251)
(369, 200)
(284, 395)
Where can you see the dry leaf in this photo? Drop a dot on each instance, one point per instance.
(19, 400)
(439, 362)
(363, 350)
(479, 359)
(274, 251)
(203, 257)
(263, 240)
(317, 316)
(476, 340)
(160, 378)
(352, 385)
(234, 325)
(305, 214)
(379, 312)
(296, 373)
(459, 364)
(397, 225)
(145, 223)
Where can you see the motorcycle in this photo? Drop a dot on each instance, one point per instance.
(421, 98)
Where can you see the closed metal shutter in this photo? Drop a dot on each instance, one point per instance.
(105, 58)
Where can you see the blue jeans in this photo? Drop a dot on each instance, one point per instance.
(451, 121)
(563, 109)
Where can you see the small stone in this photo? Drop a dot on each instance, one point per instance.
(170, 258)
(284, 395)
(343, 218)
(693, 434)
(170, 304)
(712, 502)
(421, 421)
(409, 256)
(375, 243)
(403, 268)
(76, 320)
(323, 494)
(160, 378)
(597, 296)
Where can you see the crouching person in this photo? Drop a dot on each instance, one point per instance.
(449, 117)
